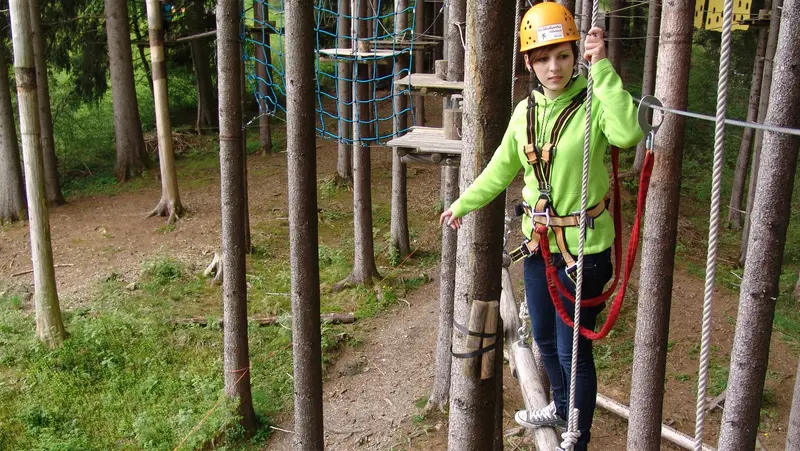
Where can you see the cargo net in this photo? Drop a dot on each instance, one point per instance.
(361, 46)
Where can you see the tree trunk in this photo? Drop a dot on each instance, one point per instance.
(586, 25)
(769, 222)
(419, 61)
(441, 384)
(797, 289)
(303, 239)
(142, 56)
(201, 60)
(569, 4)
(649, 79)
(49, 325)
(766, 90)
(344, 164)
(264, 56)
(364, 269)
(52, 185)
(615, 35)
(793, 432)
(399, 216)
(473, 401)
(660, 231)
(170, 203)
(735, 216)
(12, 193)
(231, 153)
(131, 152)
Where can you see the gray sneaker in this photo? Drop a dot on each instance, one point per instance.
(546, 416)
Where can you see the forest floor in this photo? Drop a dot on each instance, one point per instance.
(376, 387)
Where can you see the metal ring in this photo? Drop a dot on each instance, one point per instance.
(646, 105)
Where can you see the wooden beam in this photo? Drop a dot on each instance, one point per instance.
(330, 318)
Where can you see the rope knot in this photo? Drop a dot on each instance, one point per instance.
(570, 439)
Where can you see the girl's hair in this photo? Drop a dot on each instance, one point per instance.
(537, 53)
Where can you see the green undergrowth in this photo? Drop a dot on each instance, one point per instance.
(128, 379)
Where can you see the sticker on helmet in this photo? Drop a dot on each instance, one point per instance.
(550, 32)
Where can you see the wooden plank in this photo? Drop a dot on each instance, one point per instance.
(389, 43)
(361, 55)
(430, 84)
(427, 140)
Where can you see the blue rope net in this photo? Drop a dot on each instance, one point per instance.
(344, 42)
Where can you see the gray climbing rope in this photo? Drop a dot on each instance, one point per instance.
(570, 437)
(716, 189)
(516, 51)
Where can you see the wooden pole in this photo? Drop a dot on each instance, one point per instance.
(264, 57)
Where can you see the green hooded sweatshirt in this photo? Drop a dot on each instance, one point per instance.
(614, 122)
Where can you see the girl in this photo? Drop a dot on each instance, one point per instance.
(545, 137)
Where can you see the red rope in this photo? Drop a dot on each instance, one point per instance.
(557, 288)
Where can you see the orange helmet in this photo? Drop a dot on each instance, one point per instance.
(544, 24)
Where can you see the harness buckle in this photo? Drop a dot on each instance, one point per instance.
(589, 219)
(521, 252)
(519, 209)
(546, 215)
(572, 273)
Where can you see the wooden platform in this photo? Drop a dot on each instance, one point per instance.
(430, 84)
(427, 145)
(361, 56)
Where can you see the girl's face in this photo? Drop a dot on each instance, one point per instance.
(553, 67)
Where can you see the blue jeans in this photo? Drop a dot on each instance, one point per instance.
(554, 337)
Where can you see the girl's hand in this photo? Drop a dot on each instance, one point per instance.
(595, 48)
(450, 220)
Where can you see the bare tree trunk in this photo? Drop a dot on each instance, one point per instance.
(766, 90)
(473, 400)
(52, 185)
(797, 289)
(344, 164)
(170, 203)
(264, 56)
(735, 216)
(649, 79)
(569, 4)
(303, 239)
(231, 153)
(201, 60)
(441, 383)
(131, 152)
(12, 193)
(793, 431)
(586, 25)
(769, 222)
(364, 269)
(419, 61)
(457, 12)
(142, 56)
(615, 35)
(660, 231)
(399, 216)
(49, 325)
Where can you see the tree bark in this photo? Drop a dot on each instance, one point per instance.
(231, 153)
(52, 185)
(12, 193)
(344, 164)
(769, 223)
(586, 25)
(303, 239)
(793, 431)
(131, 152)
(615, 35)
(473, 401)
(419, 61)
(735, 216)
(170, 203)
(649, 78)
(660, 231)
(264, 57)
(364, 269)
(201, 60)
(766, 90)
(399, 215)
(569, 4)
(49, 325)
